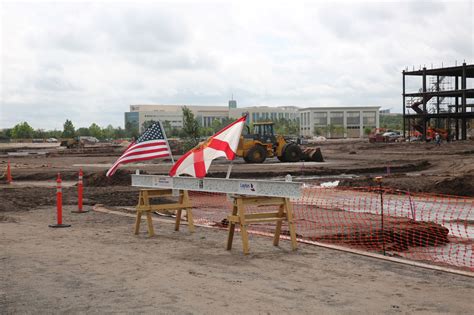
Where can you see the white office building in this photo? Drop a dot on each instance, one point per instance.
(338, 122)
(262, 113)
(330, 122)
(205, 115)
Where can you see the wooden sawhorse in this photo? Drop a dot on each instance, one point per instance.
(144, 205)
(285, 213)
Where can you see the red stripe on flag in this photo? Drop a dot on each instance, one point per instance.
(224, 146)
(143, 152)
(148, 144)
(199, 166)
(118, 163)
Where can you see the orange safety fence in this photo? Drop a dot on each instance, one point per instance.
(436, 229)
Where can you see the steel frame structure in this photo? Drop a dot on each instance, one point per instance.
(423, 108)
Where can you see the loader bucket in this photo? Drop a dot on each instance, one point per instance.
(312, 155)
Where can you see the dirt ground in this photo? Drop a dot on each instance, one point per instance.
(99, 266)
(418, 167)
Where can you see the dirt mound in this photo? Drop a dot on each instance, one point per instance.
(461, 186)
(26, 198)
(29, 198)
(398, 235)
(46, 175)
(457, 186)
(120, 178)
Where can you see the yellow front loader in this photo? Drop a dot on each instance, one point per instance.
(262, 143)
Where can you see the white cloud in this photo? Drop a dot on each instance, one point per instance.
(87, 62)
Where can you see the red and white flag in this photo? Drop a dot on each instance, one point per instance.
(150, 145)
(224, 143)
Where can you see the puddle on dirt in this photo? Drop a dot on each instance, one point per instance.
(108, 165)
(41, 183)
(309, 178)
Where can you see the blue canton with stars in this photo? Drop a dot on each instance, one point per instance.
(152, 133)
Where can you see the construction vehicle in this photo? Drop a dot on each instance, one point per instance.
(262, 143)
(73, 143)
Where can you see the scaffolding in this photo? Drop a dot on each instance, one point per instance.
(441, 104)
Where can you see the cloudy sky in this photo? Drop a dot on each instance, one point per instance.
(88, 61)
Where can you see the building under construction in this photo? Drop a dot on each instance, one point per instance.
(443, 104)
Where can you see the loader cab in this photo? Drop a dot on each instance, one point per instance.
(263, 132)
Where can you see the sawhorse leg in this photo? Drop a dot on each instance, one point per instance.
(276, 238)
(184, 199)
(243, 226)
(149, 221)
(143, 205)
(230, 237)
(138, 220)
(291, 223)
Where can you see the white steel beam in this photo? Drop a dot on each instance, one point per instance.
(252, 187)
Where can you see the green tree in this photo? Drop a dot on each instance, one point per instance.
(68, 129)
(108, 132)
(320, 131)
(392, 121)
(206, 131)
(131, 130)
(8, 132)
(95, 131)
(5, 135)
(286, 127)
(175, 132)
(190, 129)
(216, 125)
(120, 133)
(147, 124)
(40, 134)
(22, 131)
(54, 134)
(83, 132)
(167, 127)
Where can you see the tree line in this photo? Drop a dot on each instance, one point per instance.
(192, 130)
(23, 130)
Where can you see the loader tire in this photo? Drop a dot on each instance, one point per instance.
(257, 154)
(292, 153)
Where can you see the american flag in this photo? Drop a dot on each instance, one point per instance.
(150, 145)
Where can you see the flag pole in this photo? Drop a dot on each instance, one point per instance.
(229, 169)
(167, 142)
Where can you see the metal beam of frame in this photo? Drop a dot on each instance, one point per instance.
(251, 187)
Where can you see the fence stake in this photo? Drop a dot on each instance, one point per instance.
(412, 208)
(378, 179)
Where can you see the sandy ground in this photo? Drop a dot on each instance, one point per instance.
(99, 266)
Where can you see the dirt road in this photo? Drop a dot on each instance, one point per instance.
(99, 266)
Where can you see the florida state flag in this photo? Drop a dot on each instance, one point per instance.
(224, 143)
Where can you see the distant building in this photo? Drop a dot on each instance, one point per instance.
(232, 104)
(205, 115)
(265, 113)
(331, 122)
(338, 122)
